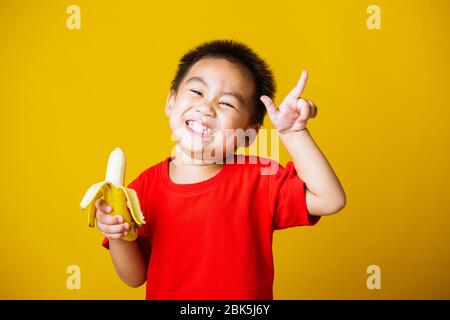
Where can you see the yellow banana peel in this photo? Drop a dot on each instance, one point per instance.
(112, 190)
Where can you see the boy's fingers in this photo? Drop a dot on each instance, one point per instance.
(106, 218)
(116, 236)
(102, 205)
(102, 213)
(297, 91)
(270, 105)
(314, 108)
(113, 229)
(301, 84)
(305, 109)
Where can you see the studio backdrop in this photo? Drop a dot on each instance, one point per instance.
(79, 78)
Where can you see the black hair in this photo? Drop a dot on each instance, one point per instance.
(240, 54)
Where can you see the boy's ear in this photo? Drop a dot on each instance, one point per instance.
(169, 102)
(251, 133)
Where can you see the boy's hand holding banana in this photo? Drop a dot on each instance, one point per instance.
(115, 207)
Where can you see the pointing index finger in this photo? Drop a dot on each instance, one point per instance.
(302, 82)
(300, 87)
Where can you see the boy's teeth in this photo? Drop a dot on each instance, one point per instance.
(197, 127)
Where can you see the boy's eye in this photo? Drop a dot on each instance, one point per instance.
(196, 92)
(227, 104)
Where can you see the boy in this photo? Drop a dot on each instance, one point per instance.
(210, 222)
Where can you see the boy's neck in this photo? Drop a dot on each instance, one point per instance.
(183, 169)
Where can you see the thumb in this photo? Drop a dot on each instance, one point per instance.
(102, 205)
(270, 106)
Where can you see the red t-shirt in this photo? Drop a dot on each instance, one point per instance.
(213, 239)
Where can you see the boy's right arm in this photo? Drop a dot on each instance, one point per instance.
(127, 256)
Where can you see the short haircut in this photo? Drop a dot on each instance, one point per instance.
(240, 54)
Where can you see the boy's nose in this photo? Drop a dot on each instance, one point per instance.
(206, 109)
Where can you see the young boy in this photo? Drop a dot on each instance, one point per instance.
(210, 214)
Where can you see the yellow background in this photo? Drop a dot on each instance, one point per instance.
(68, 97)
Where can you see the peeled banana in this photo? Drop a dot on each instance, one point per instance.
(112, 190)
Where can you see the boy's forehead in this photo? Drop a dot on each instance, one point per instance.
(221, 70)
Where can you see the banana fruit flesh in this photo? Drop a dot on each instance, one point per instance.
(112, 190)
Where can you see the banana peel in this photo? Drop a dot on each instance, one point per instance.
(123, 201)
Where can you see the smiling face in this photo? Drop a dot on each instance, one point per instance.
(214, 101)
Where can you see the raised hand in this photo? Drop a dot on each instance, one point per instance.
(293, 113)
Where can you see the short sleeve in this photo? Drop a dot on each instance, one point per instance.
(287, 199)
(143, 234)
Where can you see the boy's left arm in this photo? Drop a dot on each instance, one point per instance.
(324, 193)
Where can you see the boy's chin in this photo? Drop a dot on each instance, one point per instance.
(204, 154)
(195, 146)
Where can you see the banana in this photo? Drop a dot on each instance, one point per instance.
(112, 190)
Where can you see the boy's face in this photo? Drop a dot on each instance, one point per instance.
(213, 101)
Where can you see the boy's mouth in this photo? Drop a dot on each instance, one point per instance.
(198, 129)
